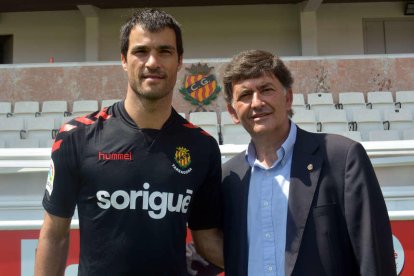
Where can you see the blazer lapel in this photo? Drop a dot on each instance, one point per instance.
(306, 166)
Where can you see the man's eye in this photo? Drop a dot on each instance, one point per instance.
(244, 97)
(166, 52)
(139, 52)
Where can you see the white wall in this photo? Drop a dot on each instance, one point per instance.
(219, 31)
(208, 32)
(39, 35)
(222, 31)
(340, 30)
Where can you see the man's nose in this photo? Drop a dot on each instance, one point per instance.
(256, 100)
(152, 62)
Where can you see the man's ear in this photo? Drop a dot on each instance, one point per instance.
(124, 62)
(180, 63)
(233, 114)
(289, 97)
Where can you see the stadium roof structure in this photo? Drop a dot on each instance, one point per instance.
(53, 5)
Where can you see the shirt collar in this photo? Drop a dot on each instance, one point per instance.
(285, 150)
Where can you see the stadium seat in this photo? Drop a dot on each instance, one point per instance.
(383, 135)
(5, 109)
(381, 100)
(298, 102)
(11, 128)
(354, 135)
(23, 143)
(319, 101)
(408, 134)
(106, 103)
(233, 133)
(333, 121)
(81, 108)
(405, 100)
(351, 100)
(46, 143)
(26, 109)
(40, 128)
(398, 119)
(55, 109)
(306, 119)
(207, 121)
(67, 119)
(367, 120)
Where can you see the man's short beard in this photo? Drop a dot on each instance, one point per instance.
(149, 96)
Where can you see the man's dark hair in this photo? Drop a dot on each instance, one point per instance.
(152, 20)
(253, 64)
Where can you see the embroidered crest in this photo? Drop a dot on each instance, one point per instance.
(183, 159)
(200, 87)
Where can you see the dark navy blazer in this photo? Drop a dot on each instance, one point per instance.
(337, 221)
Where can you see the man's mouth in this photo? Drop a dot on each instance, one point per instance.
(153, 76)
(258, 116)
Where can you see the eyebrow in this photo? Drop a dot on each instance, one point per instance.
(266, 85)
(160, 47)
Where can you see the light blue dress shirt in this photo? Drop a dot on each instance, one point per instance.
(267, 210)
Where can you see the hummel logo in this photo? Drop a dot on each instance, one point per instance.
(114, 156)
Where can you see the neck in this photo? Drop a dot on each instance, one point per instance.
(268, 144)
(148, 113)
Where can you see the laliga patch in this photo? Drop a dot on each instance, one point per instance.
(50, 178)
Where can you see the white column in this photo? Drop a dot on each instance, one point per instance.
(91, 14)
(309, 27)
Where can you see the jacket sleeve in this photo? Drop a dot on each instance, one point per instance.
(366, 215)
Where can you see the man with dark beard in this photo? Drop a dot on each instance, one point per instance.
(137, 171)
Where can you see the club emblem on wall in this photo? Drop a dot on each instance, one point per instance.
(200, 87)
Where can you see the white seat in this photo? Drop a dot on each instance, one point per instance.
(408, 134)
(298, 101)
(40, 128)
(55, 109)
(333, 121)
(398, 119)
(23, 143)
(305, 119)
(207, 121)
(381, 100)
(5, 109)
(46, 143)
(233, 133)
(367, 120)
(320, 101)
(11, 128)
(26, 109)
(383, 135)
(351, 100)
(405, 99)
(354, 135)
(84, 107)
(106, 103)
(67, 119)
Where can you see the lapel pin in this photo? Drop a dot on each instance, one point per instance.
(310, 167)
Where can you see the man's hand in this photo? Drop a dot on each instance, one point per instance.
(192, 256)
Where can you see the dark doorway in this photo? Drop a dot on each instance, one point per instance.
(6, 49)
